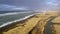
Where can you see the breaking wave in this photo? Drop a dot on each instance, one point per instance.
(13, 13)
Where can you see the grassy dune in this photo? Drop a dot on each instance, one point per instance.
(34, 25)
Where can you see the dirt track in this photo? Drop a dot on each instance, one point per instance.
(33, 25)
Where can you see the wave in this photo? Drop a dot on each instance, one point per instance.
(15, 21)
(13, 13)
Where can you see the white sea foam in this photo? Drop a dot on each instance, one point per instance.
(13, 13)
(15, 21)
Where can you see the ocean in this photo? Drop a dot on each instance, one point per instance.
(11, 16)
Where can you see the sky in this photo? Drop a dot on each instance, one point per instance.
(29, 4)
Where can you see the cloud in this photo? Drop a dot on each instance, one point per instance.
(11, 7)
(52, 5)
(6, 6)
(28, 4)
(20, 8)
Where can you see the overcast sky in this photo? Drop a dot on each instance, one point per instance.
(29, 4)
